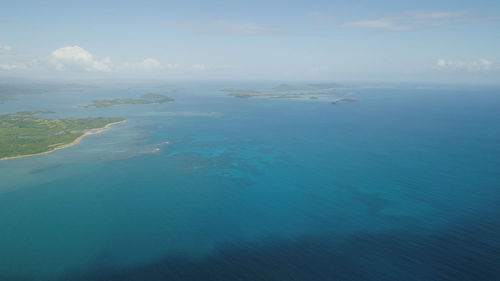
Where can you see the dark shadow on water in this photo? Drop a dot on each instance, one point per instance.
(469, 250)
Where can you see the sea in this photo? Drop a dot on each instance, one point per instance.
(403, 184)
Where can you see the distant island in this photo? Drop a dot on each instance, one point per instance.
(245, 93)
(5, 96)
(344, 100)
(306, 87)
(10, 90)
(23, 134)
(319, 92)
(150, 98)
(32, 113)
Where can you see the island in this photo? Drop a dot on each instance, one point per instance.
(9, 90)
(150, 98)
(306, 87)
(344, 100)
(32, 113)
(317, 92)
(244, 93)
(23, 134)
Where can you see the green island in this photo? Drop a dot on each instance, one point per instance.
(320, 91)
(22, 134)
(344, 100)
(245, 93)
(150, 98)
(32, 113)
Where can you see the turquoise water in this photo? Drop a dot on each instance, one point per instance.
(403, 185)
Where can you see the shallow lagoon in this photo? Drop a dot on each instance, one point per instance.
(401, 185)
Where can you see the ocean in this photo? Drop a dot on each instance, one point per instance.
(402, 185)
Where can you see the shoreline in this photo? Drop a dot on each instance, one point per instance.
(73, 143)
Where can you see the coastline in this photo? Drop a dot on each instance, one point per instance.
(73, 143)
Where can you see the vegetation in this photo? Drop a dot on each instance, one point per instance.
(32, 113)
(322, 91)
(144, 99)
(23, 134)
(344, 100)
(245, 93)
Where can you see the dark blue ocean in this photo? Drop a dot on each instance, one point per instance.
(402, 185)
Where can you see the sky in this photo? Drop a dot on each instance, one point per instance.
(387, 41)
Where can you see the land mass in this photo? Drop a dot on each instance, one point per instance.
(320, 92)
(32, 113)
(150, 98)
(306, 87)
(344, 100)
(24, 135)
(9, 90)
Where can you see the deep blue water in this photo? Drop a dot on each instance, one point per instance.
(402, 185)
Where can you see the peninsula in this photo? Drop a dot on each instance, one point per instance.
(23, 135)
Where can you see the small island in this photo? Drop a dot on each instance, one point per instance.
(32, 113)
(344, 100)
(22, 134)
(11, 90)
(150, 98)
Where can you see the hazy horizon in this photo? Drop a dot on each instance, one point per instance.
(388, 41)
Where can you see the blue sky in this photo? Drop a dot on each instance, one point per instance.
(424, 41)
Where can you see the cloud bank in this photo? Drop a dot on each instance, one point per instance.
(198, 67)
(469, 66)
(77, 58)
(5, 48)
(11, 66)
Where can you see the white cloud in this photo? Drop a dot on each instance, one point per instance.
(149, 64)
(12, 66)
(10, 61)
(77, 58)
(415, 20)
(470, 66)
(5, 48)
(172, 66)
(145, 65)
(246, 28)
(198, 67)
